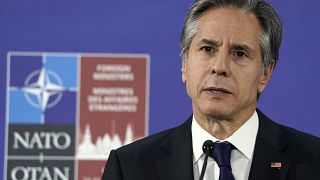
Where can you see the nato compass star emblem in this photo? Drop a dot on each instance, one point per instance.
(43, 89)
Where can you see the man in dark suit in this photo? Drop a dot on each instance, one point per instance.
(229, 50)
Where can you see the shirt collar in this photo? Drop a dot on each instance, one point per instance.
(243, 139)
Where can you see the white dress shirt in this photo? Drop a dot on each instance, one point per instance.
(241, 158)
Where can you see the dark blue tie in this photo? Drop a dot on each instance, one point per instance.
(221, 154)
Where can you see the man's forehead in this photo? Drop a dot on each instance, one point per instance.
(228, 25)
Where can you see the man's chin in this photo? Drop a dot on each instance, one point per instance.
(218, 114)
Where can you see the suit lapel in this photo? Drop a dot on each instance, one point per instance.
(269, 152)
(175, 159)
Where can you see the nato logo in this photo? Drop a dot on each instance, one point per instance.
(42, 88)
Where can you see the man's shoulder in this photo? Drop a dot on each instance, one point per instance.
(301, 139)
(142, 153)
(294, 143)
(135, 159)
(288, 134)
(150, 141)
(156, 142)
(298, 146)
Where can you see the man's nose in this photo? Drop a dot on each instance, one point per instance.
(220, 65)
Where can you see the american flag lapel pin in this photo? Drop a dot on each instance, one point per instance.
(276, 165)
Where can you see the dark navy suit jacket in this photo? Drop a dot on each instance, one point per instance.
(168, 155)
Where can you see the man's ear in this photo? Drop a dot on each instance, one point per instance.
(183, 71)
(266, 76)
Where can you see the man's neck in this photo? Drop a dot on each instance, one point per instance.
(223, 128)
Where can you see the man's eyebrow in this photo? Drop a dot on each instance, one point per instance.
(210, 42)
(242, 47)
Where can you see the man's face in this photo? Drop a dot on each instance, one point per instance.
(223, 69)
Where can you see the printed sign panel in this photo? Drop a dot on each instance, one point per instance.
(67, 111)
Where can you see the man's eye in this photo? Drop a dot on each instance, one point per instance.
(207, 49)
(240, 54)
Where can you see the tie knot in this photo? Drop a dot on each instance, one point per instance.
(221, 153)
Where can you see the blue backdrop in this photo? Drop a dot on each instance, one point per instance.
(153, 27)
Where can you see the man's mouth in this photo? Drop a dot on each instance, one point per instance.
(217, 90)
